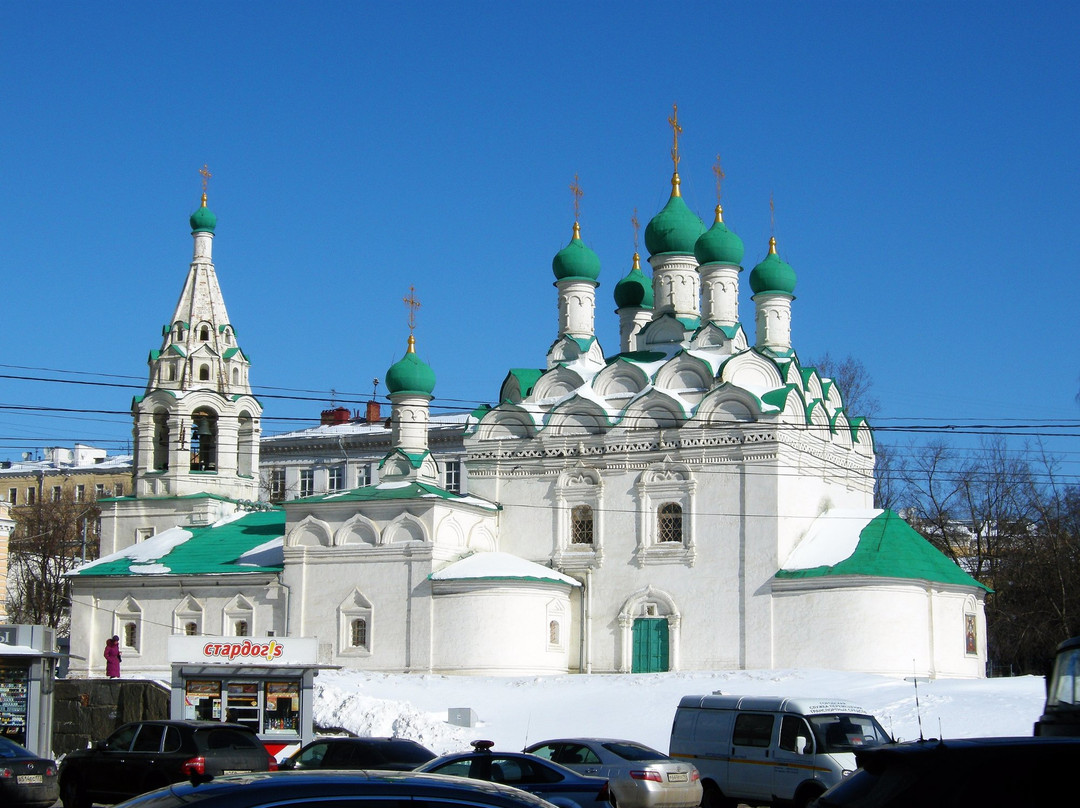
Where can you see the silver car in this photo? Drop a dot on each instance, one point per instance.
(638, 776)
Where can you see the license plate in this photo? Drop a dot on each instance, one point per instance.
(28, 779)
(678, 777)
(236, 771)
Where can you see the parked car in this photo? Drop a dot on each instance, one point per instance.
(26, 779)
(556, 784)
(146, 755)
(303, 789)
(762, 750)
(391, 754)
(1061, 715)
(987, 772)
(638, 776)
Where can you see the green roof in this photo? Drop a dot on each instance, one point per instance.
(393, 491)
(719, 245)
(526, 378)
(889, 547)
(675, 229)
(205, 550)
(575, 261)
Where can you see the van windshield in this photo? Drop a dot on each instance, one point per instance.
(845, 732)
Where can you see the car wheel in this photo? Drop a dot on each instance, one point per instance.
(713, 797)
(72, 795)
(806, 795)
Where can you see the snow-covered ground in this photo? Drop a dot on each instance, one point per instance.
(516, 711)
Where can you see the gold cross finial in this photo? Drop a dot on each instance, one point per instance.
(719, 172)
(206, 175)
(575, 189)
(413, 305)
(675, 131)
(637, 227)
(772, 215)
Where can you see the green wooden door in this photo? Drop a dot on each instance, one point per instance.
(650, 645)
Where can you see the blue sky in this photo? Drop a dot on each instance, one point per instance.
(922, 158)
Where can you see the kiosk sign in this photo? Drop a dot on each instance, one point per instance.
(243, 650)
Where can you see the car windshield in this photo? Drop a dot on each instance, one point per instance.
(634, 751)
(1064, 689)
(846, 732)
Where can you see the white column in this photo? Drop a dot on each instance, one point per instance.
(773, 320)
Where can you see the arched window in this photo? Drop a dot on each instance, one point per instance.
(170, 372)
(179, 332)
(553, 632)
(204, 440)
(161, 440)
(669, 522)
(240, 628)
(581, 524)
(191, 629)
(204, 333)
(204, 373)
(131, 635)
(236, 375)
(358, 633)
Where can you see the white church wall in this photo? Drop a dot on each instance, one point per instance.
(497, 629)
(888, 627)
(106, 607)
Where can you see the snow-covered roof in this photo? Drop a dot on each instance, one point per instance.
(869, 542)
(499, 566)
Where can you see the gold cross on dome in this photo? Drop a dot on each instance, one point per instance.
(413, 305)
(575, 189)
(675, 130)
(719, 172)
(206, 175)
(772, 215)
(637, 227)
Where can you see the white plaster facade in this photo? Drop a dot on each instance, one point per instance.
(643, 508)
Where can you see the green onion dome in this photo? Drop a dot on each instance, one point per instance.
(676, 228)
(772, 274)
(635, 290)
(202, 220)
(575, 261)
(718, 245)
(410, 374)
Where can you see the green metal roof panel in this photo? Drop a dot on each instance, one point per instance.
(222, 548)
(887, 547)
(400, 490)
(526, 378)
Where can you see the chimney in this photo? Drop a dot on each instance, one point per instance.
(373, 413)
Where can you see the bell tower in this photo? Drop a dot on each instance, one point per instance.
(197, 425)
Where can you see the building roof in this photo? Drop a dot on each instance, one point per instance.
(396, 490)
(870, 542)
(495, 566)
(243, 543)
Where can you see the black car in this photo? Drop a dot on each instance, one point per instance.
(391, 754)
(556, 784)
(147, 755)
(986, 772)
(303, 789)
(26, 779)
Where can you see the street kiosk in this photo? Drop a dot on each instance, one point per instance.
(27, 671)
(264, 683)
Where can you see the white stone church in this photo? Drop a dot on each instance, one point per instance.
(694, 500)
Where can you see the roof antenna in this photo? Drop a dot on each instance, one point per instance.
(918, 712)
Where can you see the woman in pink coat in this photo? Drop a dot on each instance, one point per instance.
(112, 657)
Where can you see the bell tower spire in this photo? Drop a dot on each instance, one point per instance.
(197, 424)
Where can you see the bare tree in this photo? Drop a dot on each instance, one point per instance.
(854, 382)
(50, 538)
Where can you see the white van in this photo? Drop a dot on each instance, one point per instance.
(765, 750)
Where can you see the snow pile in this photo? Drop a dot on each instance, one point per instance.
(515, 712)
